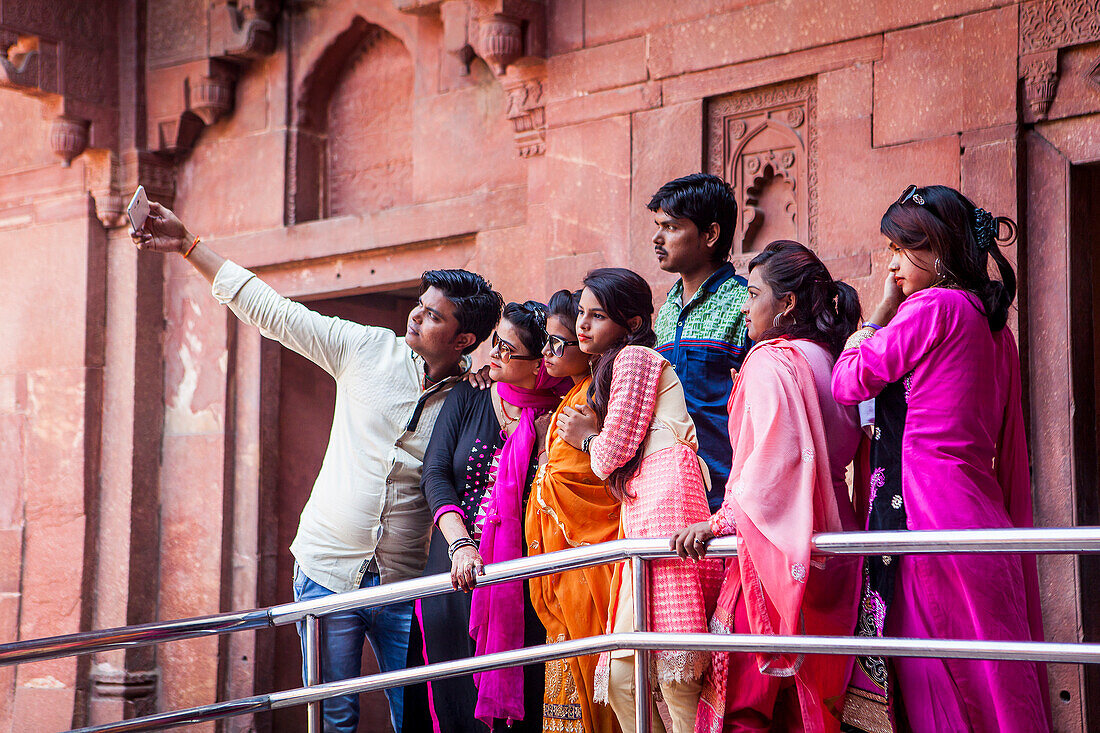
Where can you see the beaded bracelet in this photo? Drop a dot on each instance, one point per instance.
(587, 442)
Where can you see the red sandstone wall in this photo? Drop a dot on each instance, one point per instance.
(140, 448)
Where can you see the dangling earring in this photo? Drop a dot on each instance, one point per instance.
(777, 321)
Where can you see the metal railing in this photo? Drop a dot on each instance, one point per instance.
(1003, 541)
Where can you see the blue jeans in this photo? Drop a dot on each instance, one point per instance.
(341, 646)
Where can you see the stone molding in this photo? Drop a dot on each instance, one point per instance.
(1052, 24)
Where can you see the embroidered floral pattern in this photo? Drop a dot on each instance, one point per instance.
(807, 455)
(878, 478)
(896, 501)
(798, 572)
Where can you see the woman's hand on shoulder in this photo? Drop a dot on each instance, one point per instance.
(466, 565)
(691, 541)
(576, 424)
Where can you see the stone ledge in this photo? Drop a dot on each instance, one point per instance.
(346, 235)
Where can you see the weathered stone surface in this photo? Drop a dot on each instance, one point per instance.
(676, 131)
(589, 203)
(595, 69)
(946, 78)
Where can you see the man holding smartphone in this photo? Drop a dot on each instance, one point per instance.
(366, 521)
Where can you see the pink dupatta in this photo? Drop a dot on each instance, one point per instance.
(496, 612)
(779, 494)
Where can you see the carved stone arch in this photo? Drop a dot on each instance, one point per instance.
(314, 144)
(764, 167)
(763, 142)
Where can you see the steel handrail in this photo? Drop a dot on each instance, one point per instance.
(939, 648)
(1038, 540)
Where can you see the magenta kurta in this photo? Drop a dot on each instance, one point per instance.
(963, 466)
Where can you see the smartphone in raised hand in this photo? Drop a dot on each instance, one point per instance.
(138, 210)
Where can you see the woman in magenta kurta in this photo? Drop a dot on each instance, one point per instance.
(948, 452)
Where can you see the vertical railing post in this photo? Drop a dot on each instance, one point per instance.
(313, 670)
(641, 656)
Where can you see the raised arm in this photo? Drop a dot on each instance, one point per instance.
(324, 340)
(863, 371)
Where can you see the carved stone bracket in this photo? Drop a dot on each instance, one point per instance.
(68, 138)
(501, 32)
(527, 112)
(239, 32)
(1039, 73)
(116, 683)
(28, 63)
(243, 30)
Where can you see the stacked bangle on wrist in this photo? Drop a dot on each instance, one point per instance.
(587, 442)
(191, 248)
(872, 326)
(458, 545)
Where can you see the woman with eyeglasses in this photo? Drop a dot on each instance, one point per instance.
(570, 507)
(640, 438)
(948, 452)
(477, 470)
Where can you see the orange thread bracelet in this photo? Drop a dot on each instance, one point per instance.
(191, 248)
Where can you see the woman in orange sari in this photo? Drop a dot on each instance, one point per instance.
(569, 507)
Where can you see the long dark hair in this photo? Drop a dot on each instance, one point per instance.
(529, 318)
(825, 310)
(963, 238)
(624, 295)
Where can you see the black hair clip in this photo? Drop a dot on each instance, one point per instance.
(985, 230)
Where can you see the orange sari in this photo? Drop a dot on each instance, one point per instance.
(570, 507)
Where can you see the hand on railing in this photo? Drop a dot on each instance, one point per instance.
(466, 565)
(691, 541)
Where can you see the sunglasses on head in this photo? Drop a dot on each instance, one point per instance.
(910, 194)
(506, 352)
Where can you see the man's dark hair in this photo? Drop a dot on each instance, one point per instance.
(477, 305)
(704, 199)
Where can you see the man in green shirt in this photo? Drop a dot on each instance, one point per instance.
(700, 328)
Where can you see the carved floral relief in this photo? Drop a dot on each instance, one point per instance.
(763, 142)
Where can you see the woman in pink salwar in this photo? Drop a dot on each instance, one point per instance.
(791, 445)
(641, 439)
(948, 452)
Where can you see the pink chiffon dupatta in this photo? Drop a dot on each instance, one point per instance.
(496, 612)
(780, 494)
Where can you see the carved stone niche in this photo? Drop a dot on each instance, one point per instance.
(764, 143)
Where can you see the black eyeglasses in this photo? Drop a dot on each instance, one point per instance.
(506, 353)
(557, 345)
(910, 193)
